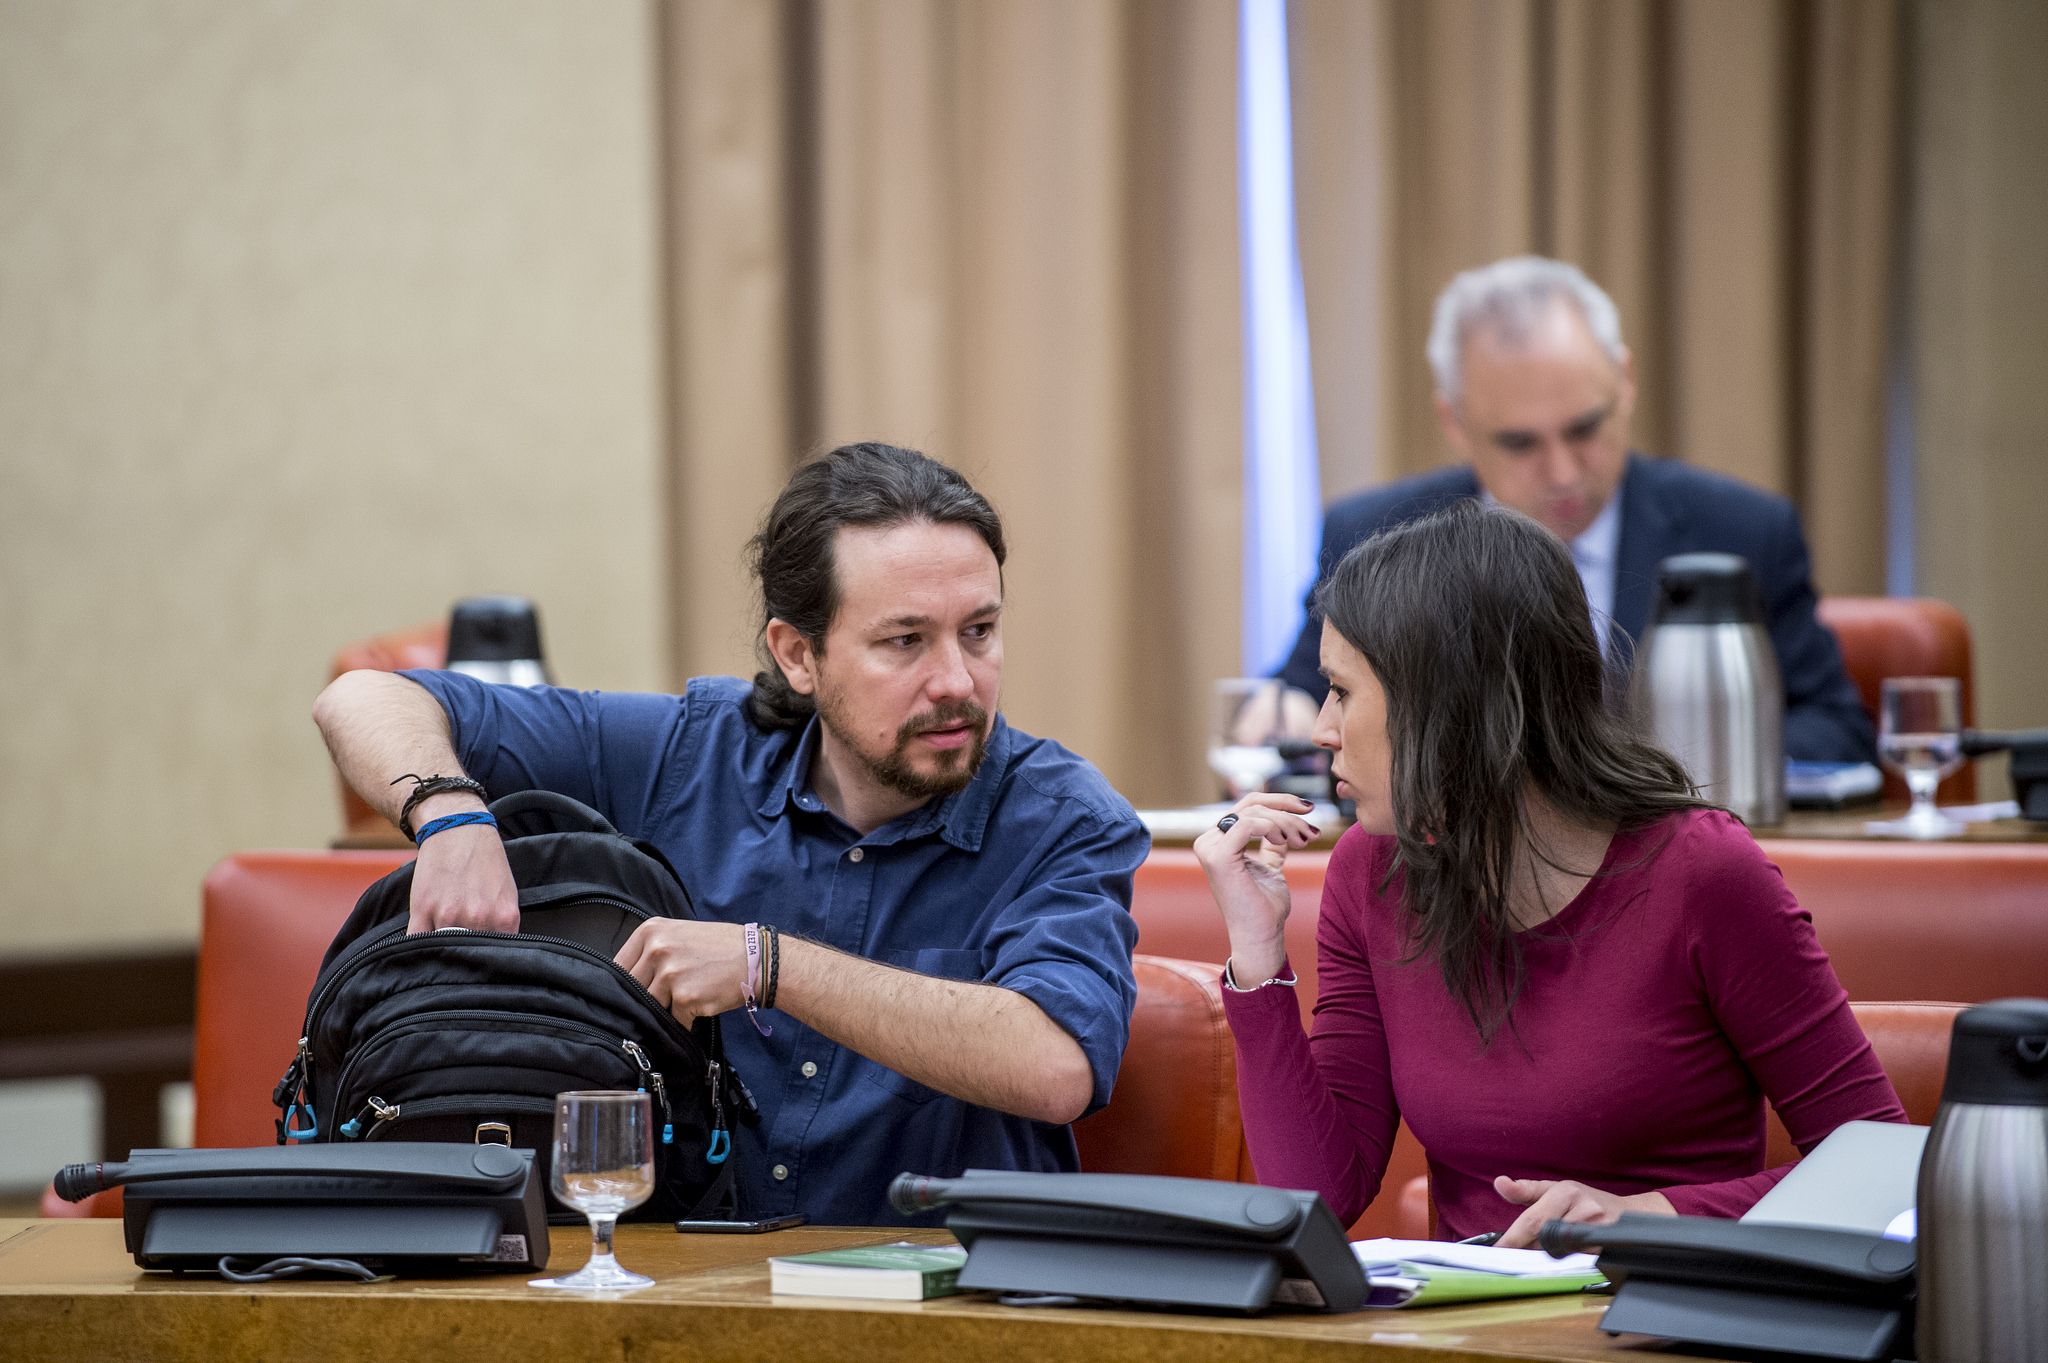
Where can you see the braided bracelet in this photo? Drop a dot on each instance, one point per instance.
(448, 821)
(424, 786)
(774, 966)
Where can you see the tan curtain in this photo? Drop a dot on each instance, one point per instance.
(1727, 169)
(1004, 233)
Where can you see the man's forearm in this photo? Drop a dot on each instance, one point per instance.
(379, 726)
(982, 1043)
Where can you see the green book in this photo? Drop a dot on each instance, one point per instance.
(898, 1272)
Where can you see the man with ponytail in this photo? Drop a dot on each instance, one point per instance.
(915, 916)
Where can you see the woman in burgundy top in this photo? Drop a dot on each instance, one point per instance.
(1577, 982)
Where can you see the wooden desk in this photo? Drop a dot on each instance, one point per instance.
(1179, 828)
(68, 1290)
(1847, 825)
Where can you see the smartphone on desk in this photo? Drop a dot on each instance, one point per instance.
(740, 1227)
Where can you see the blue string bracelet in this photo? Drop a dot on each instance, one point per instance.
(448, 821)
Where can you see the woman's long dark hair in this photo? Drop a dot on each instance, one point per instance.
(1474, 621)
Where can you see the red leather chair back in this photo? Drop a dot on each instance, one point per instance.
(420, 646)
(1911, 1041)
(1905, 636)
(1176, 916)
(1175, 1106)
(1925, 920)
(267, 920)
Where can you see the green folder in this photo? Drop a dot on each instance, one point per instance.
(1406, 1283)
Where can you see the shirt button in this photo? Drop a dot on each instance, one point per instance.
(810, 1069)
(781, 1172)
(855, 855)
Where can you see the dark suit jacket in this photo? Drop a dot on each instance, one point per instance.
(1666, 508)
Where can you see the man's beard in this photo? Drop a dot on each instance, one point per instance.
(955, 768)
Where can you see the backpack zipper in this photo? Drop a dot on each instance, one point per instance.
(593, 1036)
(386, 1113)
(369, 942)
(650, 1074)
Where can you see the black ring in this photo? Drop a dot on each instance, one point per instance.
(1223, 825)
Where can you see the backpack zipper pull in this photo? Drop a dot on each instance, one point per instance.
(650, 1075)
(289, 1095)
(288, 1087)
(721, 1139)
(377, 1111)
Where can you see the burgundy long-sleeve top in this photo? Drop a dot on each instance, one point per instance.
(1660, 1008)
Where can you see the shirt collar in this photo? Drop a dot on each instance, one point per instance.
(960, 818)
(1596, 545)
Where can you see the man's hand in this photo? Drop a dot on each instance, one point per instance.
(693, 969)
(1276, 712)
(462, 880)
(1566, 1200)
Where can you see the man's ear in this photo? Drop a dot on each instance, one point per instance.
(1453, 428)
(794, 654)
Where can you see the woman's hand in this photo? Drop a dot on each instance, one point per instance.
(1566, 1200)
(1244, 864)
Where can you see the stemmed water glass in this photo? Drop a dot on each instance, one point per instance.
(1920, 731)
(1246, 724)
(603, 1167)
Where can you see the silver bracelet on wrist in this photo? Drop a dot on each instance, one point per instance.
(1230, 981)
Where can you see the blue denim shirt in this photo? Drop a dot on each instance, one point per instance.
(1022, 880)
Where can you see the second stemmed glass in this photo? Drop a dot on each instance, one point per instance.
(1920, 731)
(603, 1167)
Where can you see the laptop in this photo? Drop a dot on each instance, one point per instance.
(1862, 1177)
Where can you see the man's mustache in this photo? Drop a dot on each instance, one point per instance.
(945, 717)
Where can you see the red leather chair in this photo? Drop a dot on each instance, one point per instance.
(1175, 1106)
(267, 920)
(1905, 636)
(420, 646)
(1911, 1041)
(1944, 920)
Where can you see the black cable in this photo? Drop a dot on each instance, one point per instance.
(291, 1266)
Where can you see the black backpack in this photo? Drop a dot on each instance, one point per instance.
(468, 1036)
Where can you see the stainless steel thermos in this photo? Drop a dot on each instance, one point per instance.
(1706, 684)
(497, 639)
(1983, 1200)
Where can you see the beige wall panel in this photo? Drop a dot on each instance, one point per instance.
(1340, 64)
(728, 298)
(1043, 427)
(1183, 558)
(315, 318)
(884, 155)
(1606, 204)
(1462, 184)
(1981, 299)
(1730, 386)
(1852, 203)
